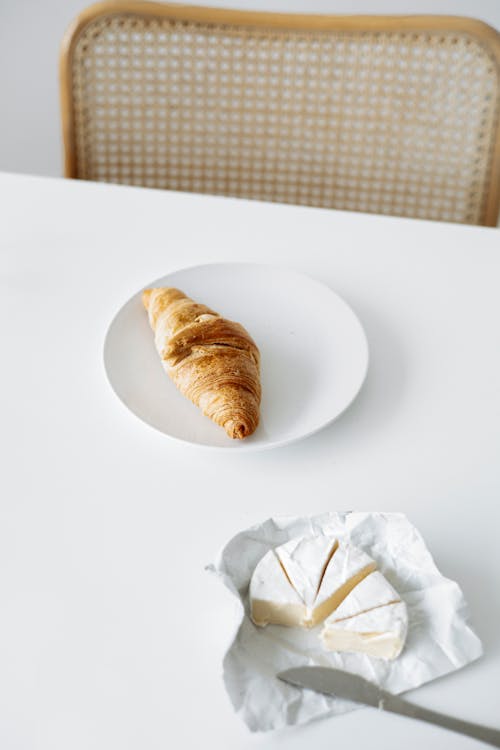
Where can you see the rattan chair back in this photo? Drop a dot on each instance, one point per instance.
(391, 115)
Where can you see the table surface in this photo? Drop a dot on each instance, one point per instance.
(111, 632)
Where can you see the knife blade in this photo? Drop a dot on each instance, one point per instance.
(354, 688)
(334, 682)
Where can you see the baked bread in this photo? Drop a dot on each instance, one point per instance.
(212, 361)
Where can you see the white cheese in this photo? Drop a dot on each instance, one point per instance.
(273, 600)
(378, 632)
(347, 567)
(304, 580)
(313, 579)
(372, 591)
(305, 560)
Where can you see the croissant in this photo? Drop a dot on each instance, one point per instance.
(212, 361)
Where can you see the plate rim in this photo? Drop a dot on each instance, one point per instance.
(241, 445)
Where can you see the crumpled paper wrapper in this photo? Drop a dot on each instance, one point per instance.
(439, 637)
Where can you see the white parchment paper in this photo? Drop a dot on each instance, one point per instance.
(439, 637)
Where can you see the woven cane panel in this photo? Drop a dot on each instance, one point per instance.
(393, 123)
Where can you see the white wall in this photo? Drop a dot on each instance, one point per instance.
(30, 34)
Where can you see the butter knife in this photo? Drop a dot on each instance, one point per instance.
(354, 688)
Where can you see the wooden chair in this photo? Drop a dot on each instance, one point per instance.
(391, 115)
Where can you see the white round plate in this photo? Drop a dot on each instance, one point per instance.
(314, 354)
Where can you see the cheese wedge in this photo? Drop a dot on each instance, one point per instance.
(373, 591)
(378, 632)
(346, 568)
(305, 560)
(301, 582)
(313, 579)
(273, 600)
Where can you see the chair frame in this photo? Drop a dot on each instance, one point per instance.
(480, 31)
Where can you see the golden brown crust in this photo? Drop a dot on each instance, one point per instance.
(213, 361)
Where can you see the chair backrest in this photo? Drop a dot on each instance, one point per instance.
(393, 115)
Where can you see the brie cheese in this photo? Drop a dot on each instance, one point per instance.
(273, 600)
(378, 632)
(313, 579)
(346, 568)
(303, 581)
(305, 560)
(373, 591)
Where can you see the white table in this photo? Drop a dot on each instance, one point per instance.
(94, 650)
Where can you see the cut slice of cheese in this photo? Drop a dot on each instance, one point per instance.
(373, 591)
(346, 568)
(273, 600)
(305, 561)
(378, 632)
(313, 579)
(303, 581)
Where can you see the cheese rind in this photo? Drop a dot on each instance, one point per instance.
(304, 580)
(346, 569)
(305, 561)
(379, 632)
(373, 591)
(313, 579)
(273, 600)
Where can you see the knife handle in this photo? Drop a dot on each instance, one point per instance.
(399, 706)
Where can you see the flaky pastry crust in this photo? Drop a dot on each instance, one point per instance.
(213, 361)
